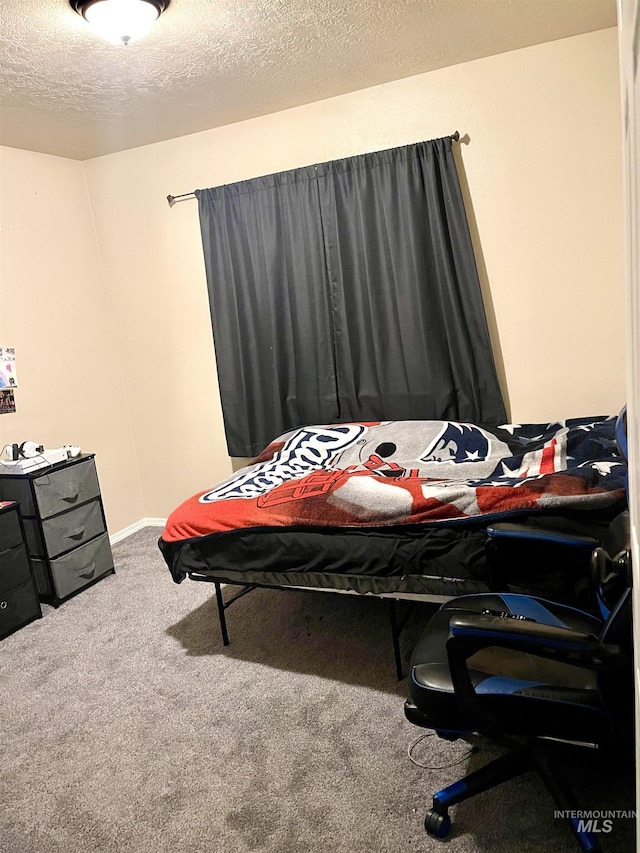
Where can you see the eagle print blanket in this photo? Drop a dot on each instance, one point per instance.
(412, 472)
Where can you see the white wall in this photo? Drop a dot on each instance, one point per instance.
(54, 310)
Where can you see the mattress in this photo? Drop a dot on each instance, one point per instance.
(397, 506)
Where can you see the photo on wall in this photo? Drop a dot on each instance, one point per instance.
(7, 401)
(8, 375)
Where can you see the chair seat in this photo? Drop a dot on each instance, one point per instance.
(529, 695)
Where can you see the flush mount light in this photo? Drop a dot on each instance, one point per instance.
(120, 21)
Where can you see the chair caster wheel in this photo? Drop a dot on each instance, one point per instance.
(437, 824)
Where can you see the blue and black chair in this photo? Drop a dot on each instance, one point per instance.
(530, 674)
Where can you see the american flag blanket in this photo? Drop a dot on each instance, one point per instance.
(412, 472)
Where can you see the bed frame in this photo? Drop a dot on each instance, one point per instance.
(288, 523)
(396, 622)
(543, 536)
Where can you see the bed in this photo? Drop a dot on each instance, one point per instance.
(399, 509)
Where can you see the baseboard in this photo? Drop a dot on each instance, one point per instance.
(133, 528)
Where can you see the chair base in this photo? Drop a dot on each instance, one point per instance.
(531, 756)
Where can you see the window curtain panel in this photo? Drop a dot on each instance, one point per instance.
(266, 276)
(347, 291)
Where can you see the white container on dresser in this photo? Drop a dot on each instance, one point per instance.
(65, 526)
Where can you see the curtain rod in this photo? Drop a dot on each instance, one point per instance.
(455, 137)
(172, 198)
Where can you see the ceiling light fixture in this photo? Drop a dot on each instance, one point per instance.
(120, 21)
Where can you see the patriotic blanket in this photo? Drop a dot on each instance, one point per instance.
(412, 472)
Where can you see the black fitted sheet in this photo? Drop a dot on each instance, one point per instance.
(437, 562)
(440, 562)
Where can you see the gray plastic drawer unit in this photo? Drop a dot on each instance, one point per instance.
(19, 602)
(64, 524)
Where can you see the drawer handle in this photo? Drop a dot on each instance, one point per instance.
(87, 571)
(3, 605)
(70, 498)
(77, 534)
(5, 551)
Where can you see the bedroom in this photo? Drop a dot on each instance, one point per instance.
(103, 290)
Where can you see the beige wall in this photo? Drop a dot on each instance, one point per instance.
(54, 310)
(543, 168)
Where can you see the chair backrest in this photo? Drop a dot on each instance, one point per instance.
(621, 432)
(612, 567)
(616, 683)
(611, 563)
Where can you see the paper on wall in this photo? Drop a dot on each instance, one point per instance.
(7, 401)
(8, 375)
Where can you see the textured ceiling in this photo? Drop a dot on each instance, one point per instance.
(212, 62)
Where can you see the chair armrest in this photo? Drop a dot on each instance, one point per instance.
(506, 530)
(524, 634)
(512, 547)
(470, 633)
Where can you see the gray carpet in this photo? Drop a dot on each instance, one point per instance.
(127, 727)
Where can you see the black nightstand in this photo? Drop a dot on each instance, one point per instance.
(65, 527)
(19, 603)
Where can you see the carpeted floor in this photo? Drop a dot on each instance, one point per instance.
(126, 727)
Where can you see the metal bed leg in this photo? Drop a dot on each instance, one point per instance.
(395, 637)
(396, 629)
(396, 625)
(222, 604)
(221, 615)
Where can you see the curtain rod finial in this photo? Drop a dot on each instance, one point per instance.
(455, 136)
(170, 199)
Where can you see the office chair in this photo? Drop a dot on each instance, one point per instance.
(528, 672)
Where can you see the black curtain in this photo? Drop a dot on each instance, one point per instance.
(347, 291)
